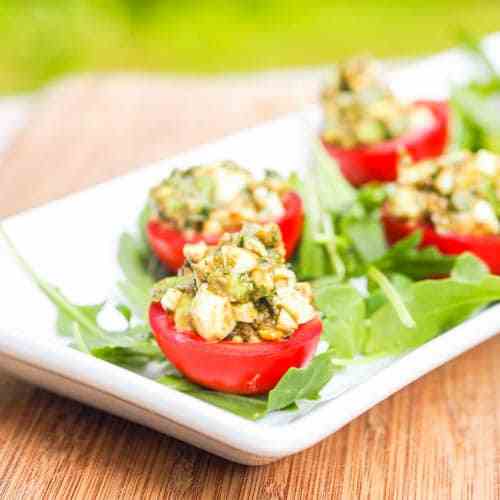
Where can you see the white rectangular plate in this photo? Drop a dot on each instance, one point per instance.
(73, 242)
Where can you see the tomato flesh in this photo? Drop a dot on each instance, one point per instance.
(379, 162)
(487, 247)
(229, 367)
(168, 243)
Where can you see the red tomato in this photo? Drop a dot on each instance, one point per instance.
(167, 243)
(486, 248)
(229, 367)
(379, 162)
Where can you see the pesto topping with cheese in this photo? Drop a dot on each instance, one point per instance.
(361, 110)
(457, 193)
(240, 290)
(212, 199)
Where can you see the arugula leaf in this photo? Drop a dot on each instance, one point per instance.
(302, 383)
(139, 266)
(143, 220)
(436, 306)
(139, 299)
(377, 298)
(372, 196)
(475, 121)
(464, 133)
(406, 258)
(366, 236)
(473, 45)
(65, 322)
(325, 193)
(133, 359)
(251, 408)
(312, 259)
(133, 347)
(469, 269)
(80, 322)
(360, 225)
(478, 108)
(78, 338)
(343, 326)
(393, 297)
(344, 240)
(334, 191)
(125, 311)
(132, 258)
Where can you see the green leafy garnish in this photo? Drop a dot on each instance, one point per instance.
(343, 234)
(475, 119)
(302, 383)
(344, 311)
(324, 193)
(79, 322)
(139, 266)
(392, 296)
(469, 269)
(377, 298)
(251, 408)
(435, 306)
(132, 257)
(407, 259)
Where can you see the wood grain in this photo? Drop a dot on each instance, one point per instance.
(438, 438)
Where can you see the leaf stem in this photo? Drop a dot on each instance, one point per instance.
(77, 334)
(331, 247)
(52, 293)
(392, 296)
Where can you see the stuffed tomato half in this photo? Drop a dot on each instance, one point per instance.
(236, 319)
(366, 127)
(454, 200)
(202, 203)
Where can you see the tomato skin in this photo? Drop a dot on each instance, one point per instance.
(168, 243)
(379, 162)
(229, 367)
(487, 247)
(292, 222)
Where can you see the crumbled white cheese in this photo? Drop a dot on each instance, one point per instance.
(256, 246)
(246, 313)
(486, 162)
(295, 304)
(212, 315)
(405, 202)
(283, 276)
(286, 321)
(171, 298)
(305, 289)
(239, 260)
(484, 213)
(228, 184)
(445, 181)
(462, 200)
(416, 174)
(269, 202)
(421, 118)
(196, 251)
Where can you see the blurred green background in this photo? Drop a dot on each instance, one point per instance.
(43, 39)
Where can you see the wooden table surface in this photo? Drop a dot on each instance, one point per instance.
(438, 438)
